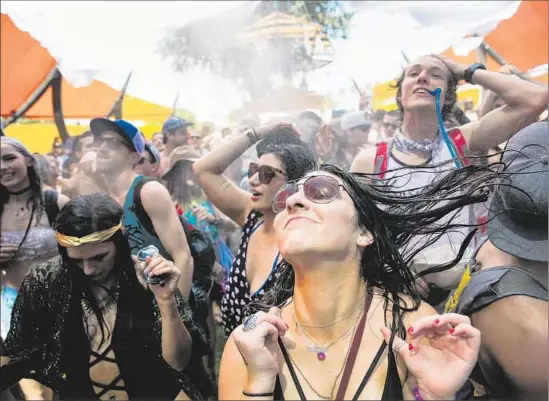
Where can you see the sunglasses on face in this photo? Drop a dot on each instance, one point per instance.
(111, 142)
(144, 159)
(392, 125)
(317, 189)
(266, 173)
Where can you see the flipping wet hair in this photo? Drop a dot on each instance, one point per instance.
(393, 219)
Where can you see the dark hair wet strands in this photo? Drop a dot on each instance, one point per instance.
(394, 219)
(36, 198)
(86, 214)
(294, 154)
(450, 94)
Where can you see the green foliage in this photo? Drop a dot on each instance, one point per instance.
(214, 44)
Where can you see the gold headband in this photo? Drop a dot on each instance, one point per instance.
(100, 236)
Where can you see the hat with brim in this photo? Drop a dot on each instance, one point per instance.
(180, 154)
(517, 221)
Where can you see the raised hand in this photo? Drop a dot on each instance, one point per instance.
(157, 266)
(442, 366)
(257, 341)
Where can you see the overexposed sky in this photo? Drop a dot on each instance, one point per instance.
(105, 40)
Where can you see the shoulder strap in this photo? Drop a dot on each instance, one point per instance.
(140, 212)
(460, 146)
(355, 346)
(51, 206)
(381, 160)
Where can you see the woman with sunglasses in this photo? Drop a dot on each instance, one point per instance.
(343, 319)
(282, 156)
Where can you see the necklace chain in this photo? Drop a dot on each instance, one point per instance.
(317, 348)
(331, 396)
(298, 323)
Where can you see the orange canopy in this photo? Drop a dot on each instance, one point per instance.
(24, 65)
(521, 40)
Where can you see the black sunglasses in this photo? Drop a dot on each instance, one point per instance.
(318, 189)
(266, 173)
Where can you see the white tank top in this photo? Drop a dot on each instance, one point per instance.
(410, 179)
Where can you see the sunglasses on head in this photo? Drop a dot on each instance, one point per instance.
(266, 173)
(318, 189)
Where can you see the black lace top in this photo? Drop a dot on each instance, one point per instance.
(48, 343)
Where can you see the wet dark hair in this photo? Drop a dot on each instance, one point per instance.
(450, 93)
(36, 200)
(294, 155)
(84, 215)
(394, 219)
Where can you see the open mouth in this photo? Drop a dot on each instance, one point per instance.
(255, 195)
(422, 91)
(7, 175)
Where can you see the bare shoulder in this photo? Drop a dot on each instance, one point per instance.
(517, 311)
(364, 161)
(154, 195)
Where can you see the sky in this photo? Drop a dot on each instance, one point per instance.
(105, 40)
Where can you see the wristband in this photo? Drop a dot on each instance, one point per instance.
(258, 394)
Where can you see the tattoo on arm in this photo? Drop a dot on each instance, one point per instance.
(225, 184)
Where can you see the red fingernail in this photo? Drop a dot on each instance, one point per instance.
(437, 321)
(451, 331)
(410, 330)
(410, 347)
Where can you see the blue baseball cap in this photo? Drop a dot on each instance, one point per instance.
(153, 151)
(125, 129)
(175, 122)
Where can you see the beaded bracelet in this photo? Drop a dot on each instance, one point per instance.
(416, 394)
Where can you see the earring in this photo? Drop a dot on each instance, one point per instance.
(365, 241)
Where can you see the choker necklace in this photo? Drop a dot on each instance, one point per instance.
(19, 192)
(406, 145)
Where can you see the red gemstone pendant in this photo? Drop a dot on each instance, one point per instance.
(321, 356)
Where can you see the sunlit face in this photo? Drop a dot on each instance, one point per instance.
(425, 74)
(13, 168)
(307, 230)
(113, 152)
(262, 194)
(95, 260)
(158, 141)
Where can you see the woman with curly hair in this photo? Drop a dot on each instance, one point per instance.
(282, 157)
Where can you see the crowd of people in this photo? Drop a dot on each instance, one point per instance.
(378, 255)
